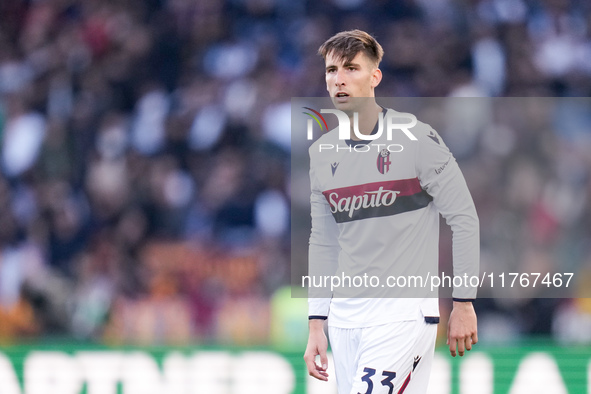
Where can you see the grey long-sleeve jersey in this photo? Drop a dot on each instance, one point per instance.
(375, 209)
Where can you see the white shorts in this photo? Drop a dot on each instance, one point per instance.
(393, 358)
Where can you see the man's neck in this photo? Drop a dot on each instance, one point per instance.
(368, 117)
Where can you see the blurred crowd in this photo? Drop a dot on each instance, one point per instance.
(145, 167)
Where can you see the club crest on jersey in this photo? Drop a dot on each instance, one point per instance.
(383, 161)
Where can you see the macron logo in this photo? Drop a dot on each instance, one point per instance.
(334, 166)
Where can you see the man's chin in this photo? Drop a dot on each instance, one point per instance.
(344, 105)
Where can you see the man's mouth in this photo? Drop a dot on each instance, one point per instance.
(341, 94)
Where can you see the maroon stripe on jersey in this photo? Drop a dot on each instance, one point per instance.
(404, 384)
(406, 187)
(376, 199)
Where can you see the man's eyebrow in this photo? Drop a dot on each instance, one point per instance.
(348, 64)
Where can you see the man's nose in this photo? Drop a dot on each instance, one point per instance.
(339, 78)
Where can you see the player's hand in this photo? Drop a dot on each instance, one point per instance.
(317, 345)
(462, 331)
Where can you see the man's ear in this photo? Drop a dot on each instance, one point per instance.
(376, 77)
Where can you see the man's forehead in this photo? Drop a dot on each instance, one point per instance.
(333, 59)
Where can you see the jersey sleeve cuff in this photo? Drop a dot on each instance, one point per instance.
(464, 299)
(317, 317)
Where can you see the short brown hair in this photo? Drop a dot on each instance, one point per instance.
(347, 44)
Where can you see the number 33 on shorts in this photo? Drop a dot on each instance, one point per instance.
(388, 377)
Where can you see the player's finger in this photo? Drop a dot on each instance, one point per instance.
(452, 347)
(315, 373)
(319, 373)
(461, 347)
(468, 343)
(310, 365)
(475, 338)
(313, 369)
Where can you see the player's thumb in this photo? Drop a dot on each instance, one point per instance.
(323, 359)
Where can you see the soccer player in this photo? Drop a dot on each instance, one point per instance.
(374, 204)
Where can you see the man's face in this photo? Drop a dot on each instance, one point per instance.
(347, 82)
